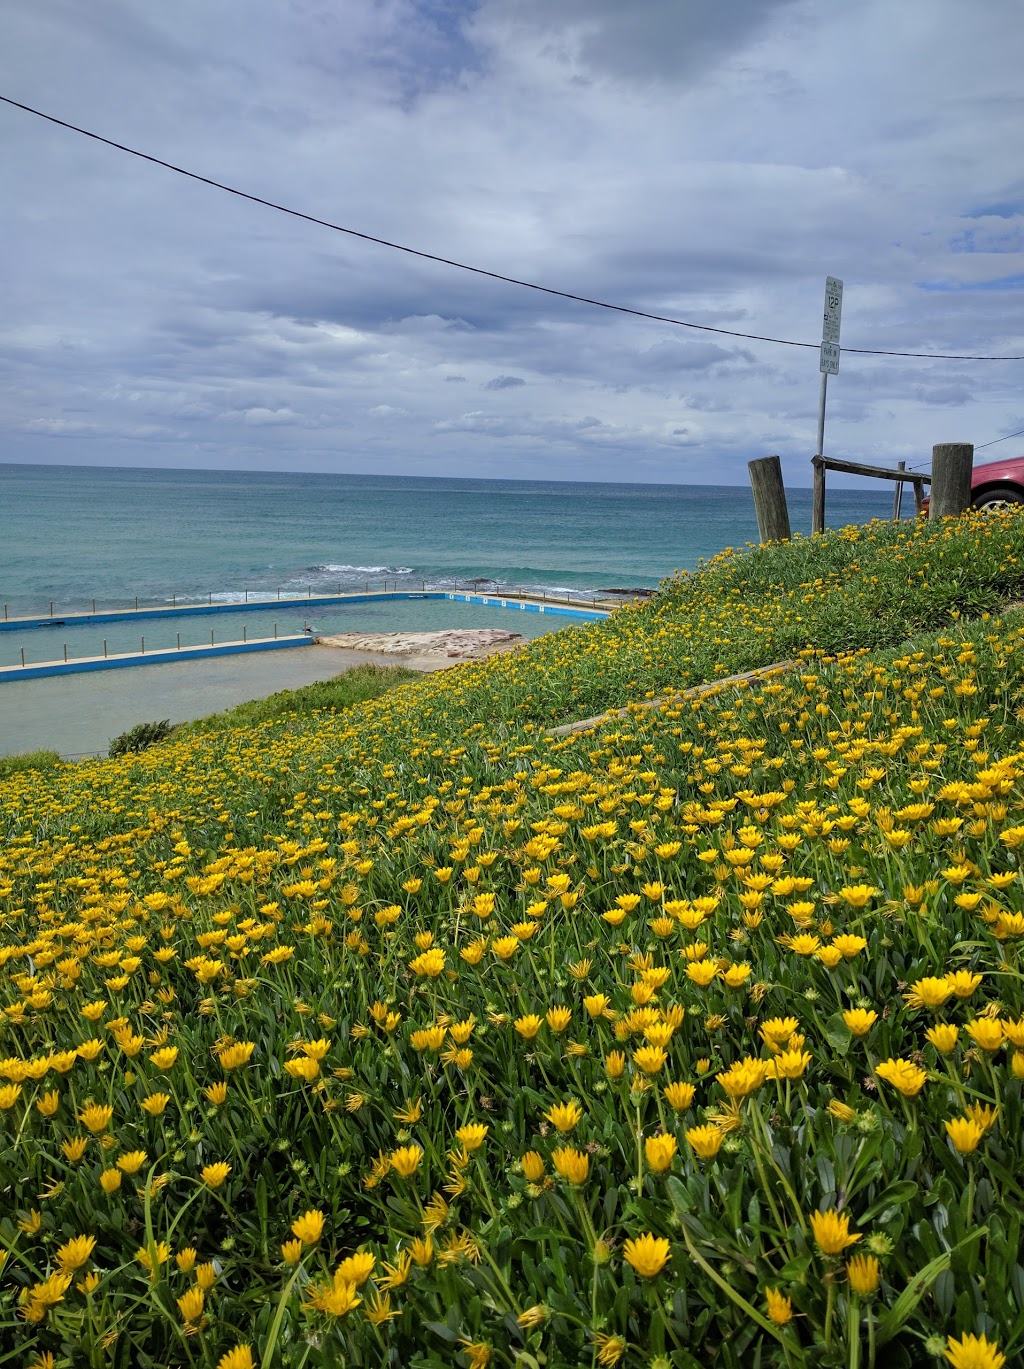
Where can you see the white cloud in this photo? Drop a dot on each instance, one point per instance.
(708, 161)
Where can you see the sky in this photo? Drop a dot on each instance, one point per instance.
(708, 161)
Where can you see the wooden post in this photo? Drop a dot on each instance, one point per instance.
(952, 463)
(918, 496)
(897, 494)
(769, 499)
(818, 495)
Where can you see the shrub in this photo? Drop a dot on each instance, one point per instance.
(140, 737)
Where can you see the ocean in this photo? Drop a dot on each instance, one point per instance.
(77, 535)
(73, 534)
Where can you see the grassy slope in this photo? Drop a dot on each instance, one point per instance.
(834, 740)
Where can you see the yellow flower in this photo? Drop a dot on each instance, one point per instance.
(110, 1180)
(291, 1251)
(206, 1275)
(965, 1133)
(929, 992)
(943, 1037)
(648, 1254)
(564, 1116)
(863, 1273)
(558, 1018)
(660, 1152)
(832, 1231)
(49, 1103)
(987, 1032)
(571, 1164)
(356, 1269)
(236, 1054)
(780, 1309)
(479, 1353)
(679, 1096)
(706, 1141)
(849, 946)
(528, 1026)
(857, 895)
(859, 1021)
(309, 1227)
(743, 1077)
(303, 1068)
(777, 1030)
(473, 1135)
(155, 1103)
(216, 1093)
(164, 1059)
(974, 1352)
(429, 965)
(337, 1300)
(842, 1112)
(908, 1078)
(791, 1064)
(75, 1148)
(610, 1349)
(533, 1317)
(406, 1160)
(74, 1253)
(963, 982)
(533, 1166)
(215, 1174)
(190, 1304)
(614, 1064)
(650, 1059)
(983, 1113)
(186, 1259)
(96, 1116)
(238, 1358)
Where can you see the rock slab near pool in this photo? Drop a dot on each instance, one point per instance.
(456, 644)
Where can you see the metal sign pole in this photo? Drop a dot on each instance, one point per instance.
(828, 364)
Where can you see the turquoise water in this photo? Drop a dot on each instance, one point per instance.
(74, 534)
(430, 615)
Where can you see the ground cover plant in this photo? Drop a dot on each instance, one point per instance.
(414, 1035)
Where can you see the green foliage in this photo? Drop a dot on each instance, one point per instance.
(361, 683)
(141, 736)
(28, 760)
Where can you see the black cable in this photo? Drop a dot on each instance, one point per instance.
(478, 270)
(999, 439)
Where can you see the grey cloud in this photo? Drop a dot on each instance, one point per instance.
(504, 383)
(665, 40)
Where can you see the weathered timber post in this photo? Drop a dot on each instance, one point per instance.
(818, 495)
(769, 499)
(952, 463)
(897, 494)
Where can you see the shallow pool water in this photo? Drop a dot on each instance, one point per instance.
(155, 634)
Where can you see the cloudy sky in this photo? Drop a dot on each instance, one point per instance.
(710, 161)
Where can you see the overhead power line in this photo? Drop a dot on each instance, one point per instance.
(478, 270)
(999, 439)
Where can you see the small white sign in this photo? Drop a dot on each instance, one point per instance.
(829, 363)
(833, 311)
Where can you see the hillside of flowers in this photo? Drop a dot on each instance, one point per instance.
(415, 1035)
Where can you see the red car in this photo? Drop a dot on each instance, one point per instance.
(996, 484)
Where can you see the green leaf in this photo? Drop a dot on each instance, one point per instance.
(894, 1196)
(900, 1312)
(838, 1034)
